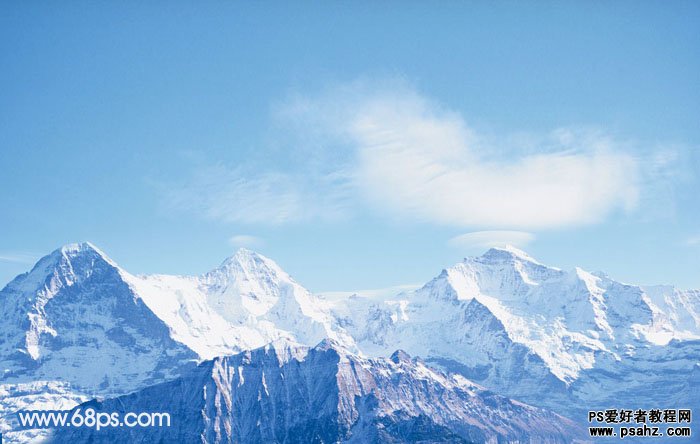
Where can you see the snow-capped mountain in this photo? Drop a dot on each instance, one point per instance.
(547, 336)
(72, 328)
(73, 318)
(294, 394)
(86, 327)
(78, 326)
(245, 303)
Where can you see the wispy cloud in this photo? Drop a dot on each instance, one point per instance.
(18, 258)
(493, 238)
(245, 240)
(693, 240)
(236, 194)
(394, 150)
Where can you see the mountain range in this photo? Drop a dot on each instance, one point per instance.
(284, 392)
(78, 327)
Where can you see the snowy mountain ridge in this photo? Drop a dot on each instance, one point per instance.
(245, 303)
(565, 318)
(562, 339)
(78, 322)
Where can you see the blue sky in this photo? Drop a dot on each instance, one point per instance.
(360, 145)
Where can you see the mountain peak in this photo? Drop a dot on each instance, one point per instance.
(246, 264)
(247, 259)
(245, 252)
(83, 249)
(68, 261)
(507, 252)
(78, 247)
(400, 356)
(69, 264)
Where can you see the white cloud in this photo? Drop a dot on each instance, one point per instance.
(245, 240)
(423, 162)
(405, 156)
(493, 238)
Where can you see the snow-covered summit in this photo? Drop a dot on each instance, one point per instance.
(64, 266)
(245, 263)
(252, 280)
(244, 303)
(80, 256)
(506, 253)
(534, 331)
(77, 248)
(564, 317)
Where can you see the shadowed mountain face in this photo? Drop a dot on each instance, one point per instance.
(295, 394)
(72, 329)
(75, 319)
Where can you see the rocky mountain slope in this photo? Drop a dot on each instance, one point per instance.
(294, 394)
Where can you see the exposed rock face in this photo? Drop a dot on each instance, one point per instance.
(295, 394)
(74, 318)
